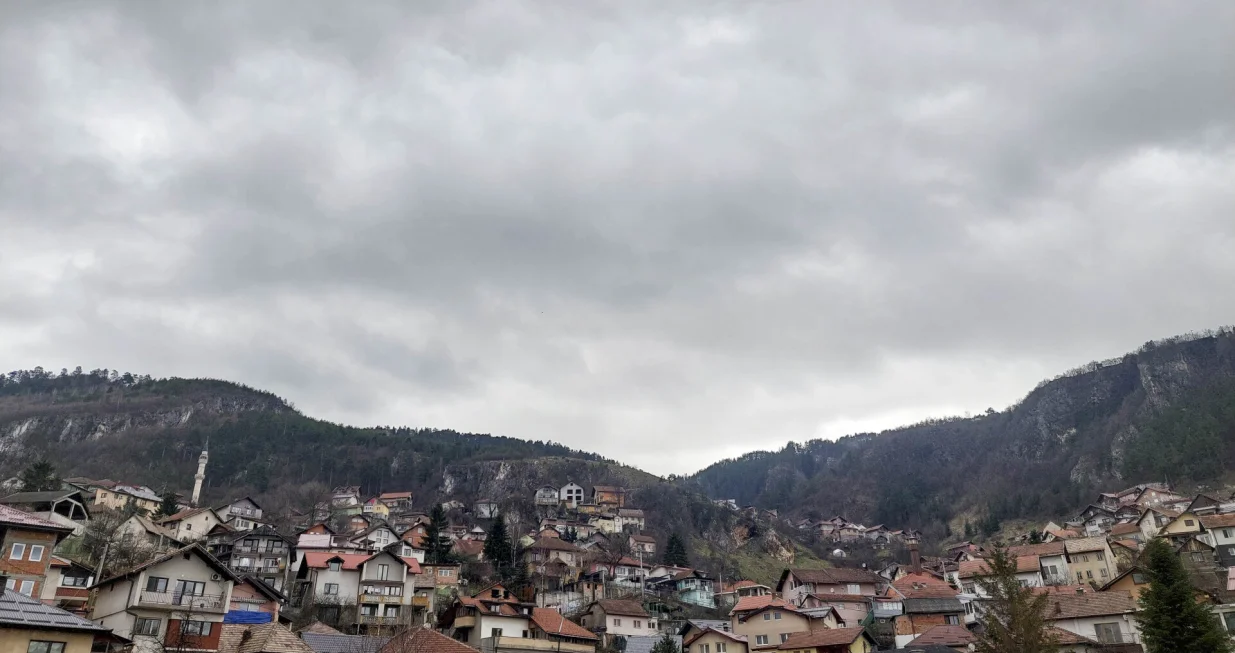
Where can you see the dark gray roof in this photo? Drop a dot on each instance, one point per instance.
(17, 609)
(636, 644)
(343, 643)
(38, 497)
(930, 648)
(929, 606)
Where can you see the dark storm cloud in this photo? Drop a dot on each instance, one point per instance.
(694, 229)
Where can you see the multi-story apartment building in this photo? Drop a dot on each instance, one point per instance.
(25, 549)
(261, 552)
(371, 590)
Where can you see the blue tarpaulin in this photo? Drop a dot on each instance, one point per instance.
(247, 617)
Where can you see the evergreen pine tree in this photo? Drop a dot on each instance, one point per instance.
(498, 549)
(1015, 620)
(675, 552)
(39, 476)
(666, 645)
(436, 542)
(1171, 619)
(168, 506)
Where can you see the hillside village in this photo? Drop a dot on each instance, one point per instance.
(117, 566)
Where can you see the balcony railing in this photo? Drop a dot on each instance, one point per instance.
(375, 620)
(188, 602)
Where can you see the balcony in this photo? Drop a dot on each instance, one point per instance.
(375, 620)
(519, 644)
(183, 602)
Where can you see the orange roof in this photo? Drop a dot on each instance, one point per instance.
(971, 568)
(944, 635)
(923, 586)
(821, 638)
(425, 640)
(395, 495)
(1131, 527)
(350, 561)
(553, 623)
(748, 603)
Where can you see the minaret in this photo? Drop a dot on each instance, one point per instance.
(200, 475)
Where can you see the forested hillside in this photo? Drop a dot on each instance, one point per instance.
(1166, 411)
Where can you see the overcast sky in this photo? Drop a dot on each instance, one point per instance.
(667, 232)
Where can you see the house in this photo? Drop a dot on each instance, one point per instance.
(645, 544)
(1196, 551)
(1125, 552)
(64, 507)
(926, 602)
(241, 514)
(1090, 559)
(176, 600)
(749, 604)
(795, 584)
(25, 550)
(609, 617)
(957, 638)
(262, 552)
(548, 549)
(118, 496)
(547, 496)
(66, 584)
(971, 572)
(769, 626)
(396, 501)
(1126, 530)
(260, 638)
(1132, 581)
(485, 509)
(1096, 519)
(375, 508)
(693, 627)
(191, 524)
(468, 550)
(444, 574)
(833, 640)
(1153, 520)
(709, 639)
(254, 600)
(1220, 532)
(1105, 617)
(487, 617)
(382, 585)
(609, 495)
(629, 519)
(695, 587)
(28, 625)
(564, 635)
(590, 509)
(1052, 560)
(142, 531)
(730, 593)
(1184, 526)
(378, 536)
(571, 495)
(345, 496)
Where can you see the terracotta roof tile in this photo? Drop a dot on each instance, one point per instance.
(1083, 544)
(945, 635)
(424, 640)
(818, 638)
(262, 638)
(1068, 638)
(748, 603)
(553, 623)
(837, 576)
(1047, 549)
(1218, 521)
(923, 586)
(622, 607)
(1129, 528)
(1089, 604)
(14, 517)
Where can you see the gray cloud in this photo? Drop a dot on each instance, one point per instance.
(668, 232)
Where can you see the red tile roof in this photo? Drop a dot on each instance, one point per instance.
(1131, 527)
(319, 559)
(1047, 549)
(748, 603)
(622, 607)
(923, 586)
(553, 544)
(1089, 604)
(1216, 521)
(1067, 638)
(819, 638)
(553, 623)
(723, 633)
(944, 635)
(972, 568)
(14, 517)
(395, 495)
(424, 640)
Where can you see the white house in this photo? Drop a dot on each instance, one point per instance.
(547, 496)
(1052, 560)
(1105, 617)
(242, 514)
(488, 617)
(619, 617)
(1028, 574)
(571, 494)
(375, 538)
(175, 601)
(191, 524)
(486, 509)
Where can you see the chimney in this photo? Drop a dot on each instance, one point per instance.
(915, 558)
(4, 582)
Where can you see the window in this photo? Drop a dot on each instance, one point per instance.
(1188, 522)
(638, 624)
(1198, 556)
(149, 627)
(1089, 574)
(40, 646)
(776, 616)
(1052, 570)
(617, 622)
(767, 616)
(1102, 572)
(703, 648)
(329, 614)
(1101, 556)
(1139, 579)
(332, 589)
(189, 589)
(953, 620)
(853, 589)
(383, 572)
(156, 584)
(17, 552)
(392, 611)
(445, 573)
(721, 647)
(368, 609)
(1226, 533)
(784, 637)
(36, 552)
(74, 581)
(334, 565)
(188, 527)
(1084, 558)
(1230, 550)
(27, 587)
(1109, 633)
(195, 628)
(1228, 618)
(496, 632)
(761, 640)
(1080, 577)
